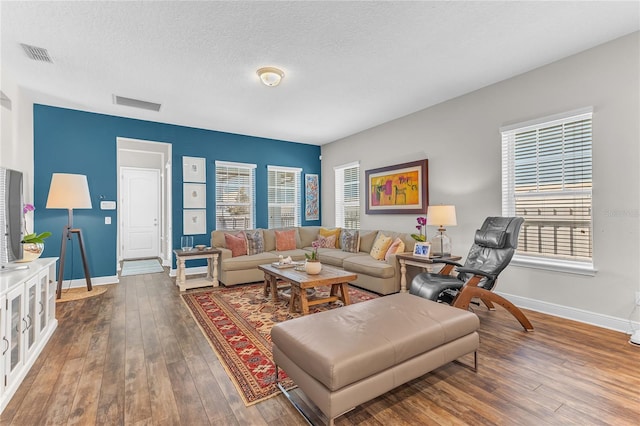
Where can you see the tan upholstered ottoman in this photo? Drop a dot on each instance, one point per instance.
(347, 356)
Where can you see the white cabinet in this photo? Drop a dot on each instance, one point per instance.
(27, 321)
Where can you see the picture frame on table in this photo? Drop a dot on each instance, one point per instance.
(422, 249)
(402, 188)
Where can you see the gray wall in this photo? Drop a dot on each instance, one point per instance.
(461, 139)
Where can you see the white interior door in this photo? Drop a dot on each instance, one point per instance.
(140, 212)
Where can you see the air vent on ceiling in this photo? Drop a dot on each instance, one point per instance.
(135, 103)
(36, 53)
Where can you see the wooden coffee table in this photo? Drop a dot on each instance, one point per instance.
(300, 281)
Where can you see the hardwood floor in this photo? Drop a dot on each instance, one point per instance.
(134, 356)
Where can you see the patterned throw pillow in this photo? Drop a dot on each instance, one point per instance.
(380, 247)
(329, 232)
(286, 240)
(396, 247)
(236, 243)
(350, 240)
(255, 242)
(326, 242)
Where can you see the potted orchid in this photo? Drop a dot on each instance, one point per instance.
(32, 243)
(421, 227)
(312, 265)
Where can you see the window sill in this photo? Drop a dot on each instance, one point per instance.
(556, 265)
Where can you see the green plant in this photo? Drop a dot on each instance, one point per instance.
(36, 238)
(313, 257)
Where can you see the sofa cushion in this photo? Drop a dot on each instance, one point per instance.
(350, 240)
(270, 238)
(329, 232)
(367, 265)
(285, 240)
(380, 247)
(307, 234)
(335, 257)
(255, 241)
(396, 247)
(247, 262)
(367, 238)
(236, 243)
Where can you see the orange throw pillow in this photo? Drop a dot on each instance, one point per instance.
(236, 243)
(286, 240)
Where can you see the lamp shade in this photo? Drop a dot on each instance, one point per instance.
(441, 216)
(69, 191)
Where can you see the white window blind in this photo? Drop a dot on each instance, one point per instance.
(347, 193)
(283, 196)
(547, 179)
(235, 195)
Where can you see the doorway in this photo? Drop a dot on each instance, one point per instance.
(144, 200)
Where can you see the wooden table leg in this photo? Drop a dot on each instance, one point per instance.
(274, 288)
(304, 302)
(344, 289)
(403, 276)
(181, 274)
(216, 283)
(267, 285)
(294, 293)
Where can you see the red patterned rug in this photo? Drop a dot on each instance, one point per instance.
(237, 321)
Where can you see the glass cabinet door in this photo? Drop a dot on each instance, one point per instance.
(31, 314)
(42, 303)
(16, 325)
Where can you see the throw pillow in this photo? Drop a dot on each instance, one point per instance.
(350, 240)
(326, 242)
(236, 243)
(255, 242)
(396, 247)
(380, 247)
(286, 240)
(329, 232)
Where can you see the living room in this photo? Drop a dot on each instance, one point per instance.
(460, 136)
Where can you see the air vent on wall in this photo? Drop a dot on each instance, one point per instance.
(36, 53)
(135, 103)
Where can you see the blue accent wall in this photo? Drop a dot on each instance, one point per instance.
(71, 141)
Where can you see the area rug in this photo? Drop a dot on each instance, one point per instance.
(139, 267)
(78, 293)
(237, 322)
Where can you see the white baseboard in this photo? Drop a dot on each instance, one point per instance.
(605, 321)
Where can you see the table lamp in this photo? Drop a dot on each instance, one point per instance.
(441, 216)
(70, 191)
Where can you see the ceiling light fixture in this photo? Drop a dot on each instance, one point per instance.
(270, 76)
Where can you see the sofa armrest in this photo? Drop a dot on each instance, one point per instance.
(225, 253)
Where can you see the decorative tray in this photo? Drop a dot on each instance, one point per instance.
(285, 265)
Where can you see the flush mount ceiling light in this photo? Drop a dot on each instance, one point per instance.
(270, 76)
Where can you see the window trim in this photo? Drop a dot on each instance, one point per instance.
(340, 202)
(532, 261)
(248, 166)
(298, 194)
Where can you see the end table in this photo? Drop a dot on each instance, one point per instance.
(211, 254)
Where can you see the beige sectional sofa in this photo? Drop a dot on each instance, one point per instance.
(382, 277)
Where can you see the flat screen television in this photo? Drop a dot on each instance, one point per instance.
(11, 217)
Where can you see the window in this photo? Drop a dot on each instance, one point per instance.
(235, 195)
(347, 192)
(283, 196)
(546, 178)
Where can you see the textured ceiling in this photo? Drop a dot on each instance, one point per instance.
(349, 65)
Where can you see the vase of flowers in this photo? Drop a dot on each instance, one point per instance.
(312, 265)
(32, 243)
(421, 227)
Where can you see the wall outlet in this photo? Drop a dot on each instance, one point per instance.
(638, 298)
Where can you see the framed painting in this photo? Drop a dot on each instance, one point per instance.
(194, 195)
(193, 169)
(194, 222)
(311, 197)
(403, 188)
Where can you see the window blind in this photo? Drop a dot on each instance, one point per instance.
(547, 179)
(235, 195)
(283, 196)
(347, 195)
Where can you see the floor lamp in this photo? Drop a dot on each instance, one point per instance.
(69, 191)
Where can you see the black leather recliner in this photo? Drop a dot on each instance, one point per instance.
(494, 245)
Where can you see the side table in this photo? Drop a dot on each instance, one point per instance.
(419, 261)
(211, 254)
